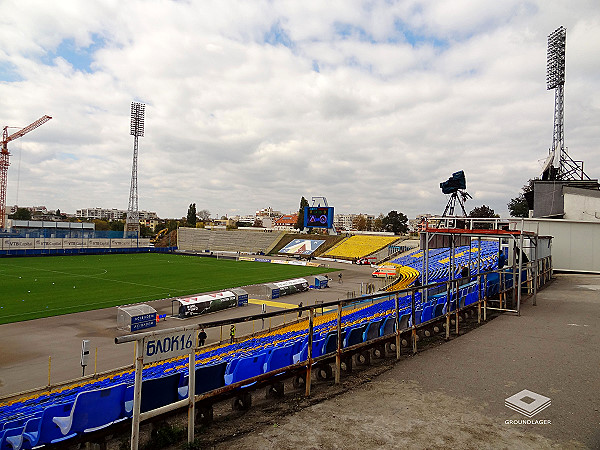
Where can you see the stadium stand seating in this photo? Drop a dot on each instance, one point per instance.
(355, 335)
(359, 246)
(208, 378)
(200, 240)
(278, 358)
(372, 330)
(49, 417)
(156, 392)
(93, 410)
(10, 437)
(47, 432)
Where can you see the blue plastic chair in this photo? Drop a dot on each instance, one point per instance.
(47, 431)
(15, 440)
(156, 392)
(427, 313)
(372, 330)
(14, 434)
(246, 367)
(404, 319)
(93, 410)
(354, 336)
(280, 357)
(330, 344)
(388, 326)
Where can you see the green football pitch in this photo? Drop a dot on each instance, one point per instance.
(31, 288)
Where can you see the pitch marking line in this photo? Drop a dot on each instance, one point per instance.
(105, 279)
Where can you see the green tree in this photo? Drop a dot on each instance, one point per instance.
(172, 225)
(482, 211)
(101, 225)
(21, 214)
(518, 206)
(378, 223)
(159, 226)
(191, 215)
(395, 222)
(117, 225)
(145, 231)
(359, 223)
(300, 220)
(204, 215)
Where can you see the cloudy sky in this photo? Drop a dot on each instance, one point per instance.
(257, 103)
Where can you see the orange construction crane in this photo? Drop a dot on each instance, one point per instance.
(4, 163)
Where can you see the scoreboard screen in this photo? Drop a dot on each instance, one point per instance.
(318, 217)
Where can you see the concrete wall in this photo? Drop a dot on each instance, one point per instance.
(581, 204)
(576, 244)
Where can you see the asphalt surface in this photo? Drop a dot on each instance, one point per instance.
(453, 395)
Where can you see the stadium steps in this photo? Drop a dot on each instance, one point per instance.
(275, 242)
(199, 240)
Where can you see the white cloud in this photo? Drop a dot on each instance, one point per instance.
(235, 124)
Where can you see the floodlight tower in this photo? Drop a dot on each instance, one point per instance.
(555, 79)
(136, 130)
(559, 165)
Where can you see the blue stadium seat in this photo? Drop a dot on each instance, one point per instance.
(317, 350)
(93, 410)
(10, 435)
(439, 310)
(331, 344)
(280, 357)
(246, 367)
(16, 423)
(418, 313)
(354, 336)
(471, 298)
(372, 330)
(388, 326)
(47, 431)
(210, 377)
(30, 425)
(427, 313)
(156, 392)
(404, 319)
(298, 344)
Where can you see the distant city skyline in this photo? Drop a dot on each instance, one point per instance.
(249, 104)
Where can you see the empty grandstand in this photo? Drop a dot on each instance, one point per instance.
(202, 240)
(369, 323)
(359, 246)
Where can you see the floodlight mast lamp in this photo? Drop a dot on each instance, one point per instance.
(136, 130)
(555, 79)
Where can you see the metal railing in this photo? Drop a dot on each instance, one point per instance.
(539, 272)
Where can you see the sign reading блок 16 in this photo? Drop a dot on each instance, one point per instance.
(165, 346)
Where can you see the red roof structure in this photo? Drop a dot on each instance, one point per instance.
(287, 220)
